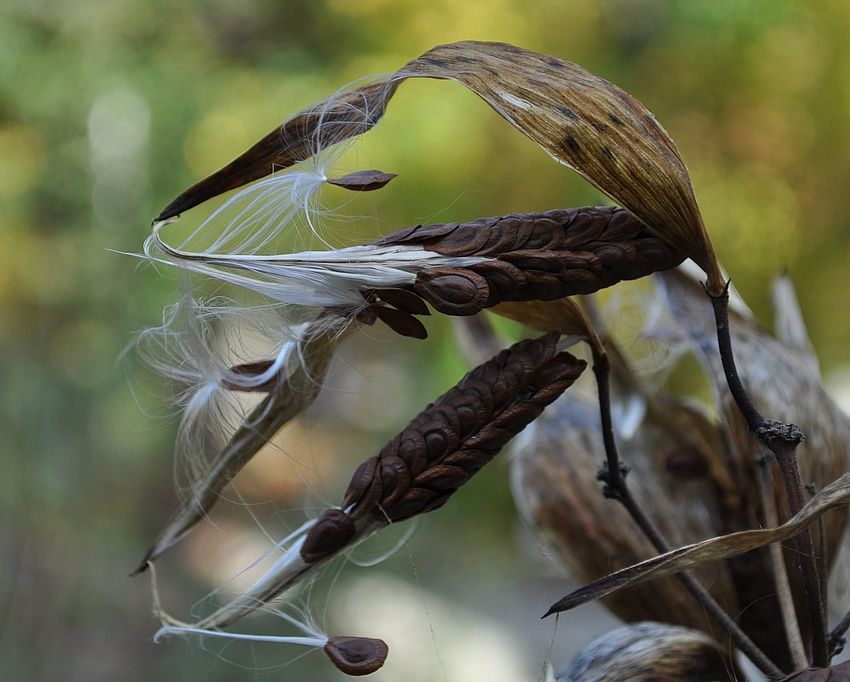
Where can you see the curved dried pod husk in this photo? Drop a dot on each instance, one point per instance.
(669, 447)
(651, 652)
(580, 119)
(783, 381)
(301, 382)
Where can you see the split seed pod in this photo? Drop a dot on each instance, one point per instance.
(783, 380)
(580, 119)
(554, 475)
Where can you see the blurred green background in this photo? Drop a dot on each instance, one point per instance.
(109, 109)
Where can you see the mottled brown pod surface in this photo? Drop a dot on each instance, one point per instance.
(357, 656)
(535, 256)
(438, 451)
(650, 652)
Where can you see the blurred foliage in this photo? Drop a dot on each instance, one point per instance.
(109, 109)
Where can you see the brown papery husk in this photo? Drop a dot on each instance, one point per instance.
(783, 381)
(651, 652)
(580, 119)
(554, 471)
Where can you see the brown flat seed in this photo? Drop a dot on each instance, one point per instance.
(363, 181)
(356, 655)
(411, 504)
(395, 480)
(463, 240)
(403, 300)
(252, 369)
(442, 478)
(401, 323)
(360, 482)
(333, 531)
(452, 291)
(503, 277)
(413, 450)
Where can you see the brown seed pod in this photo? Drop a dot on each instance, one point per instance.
(357, 656)
(650, 652)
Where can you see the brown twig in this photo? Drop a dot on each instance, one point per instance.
(782, 440)
(616, 488)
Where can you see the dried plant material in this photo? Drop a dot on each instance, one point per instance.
(423, 466)
(784, 382)
(302, 382)
(580, 119)
(459, 268)
(533, 256)
(835, 673)
(356, 656)
(650, 652)
(363, 181)
(554, 477)
(834, 496)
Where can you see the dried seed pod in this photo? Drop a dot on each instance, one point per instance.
(357, 655)
(580, 119)
(650, 652)
(784, 383)
(534, 256)
(554, 472)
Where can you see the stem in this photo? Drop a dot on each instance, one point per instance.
(614, 476)
(780, 574)
(782, 440)
(836, 637)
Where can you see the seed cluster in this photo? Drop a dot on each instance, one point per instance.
(535, 256)
(424, 465)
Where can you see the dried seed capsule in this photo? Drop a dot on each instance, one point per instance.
(356, 655)
(333, 531)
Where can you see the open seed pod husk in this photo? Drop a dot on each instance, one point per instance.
(783, 381)
(582, 120)
(651, 652)
(670, 448)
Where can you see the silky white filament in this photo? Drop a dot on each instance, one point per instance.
(312, 278)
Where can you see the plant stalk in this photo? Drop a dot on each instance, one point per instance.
(614, 477)
(782, 440)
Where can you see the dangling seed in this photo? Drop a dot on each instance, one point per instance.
(356, 656)
(362, 181)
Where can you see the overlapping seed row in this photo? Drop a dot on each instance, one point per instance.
(535, 256)
(448, 442)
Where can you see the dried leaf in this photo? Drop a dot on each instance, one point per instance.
(362, 181)
(582, 120)
(833, 496)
